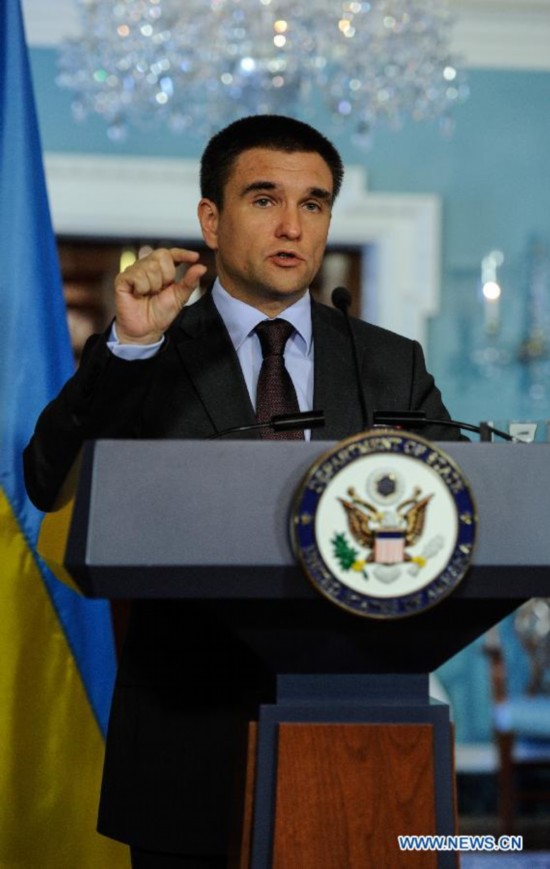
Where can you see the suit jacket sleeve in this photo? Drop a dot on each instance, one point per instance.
(102, 399)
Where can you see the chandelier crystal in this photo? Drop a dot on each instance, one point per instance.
(197, 65)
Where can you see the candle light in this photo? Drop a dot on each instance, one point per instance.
(491, 296)
(491, 291)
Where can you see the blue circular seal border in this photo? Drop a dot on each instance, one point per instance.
(325, 469)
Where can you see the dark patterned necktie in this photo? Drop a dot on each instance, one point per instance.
(275, 393)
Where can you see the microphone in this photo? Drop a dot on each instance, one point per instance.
(418, 419)
(341, 299)
(280, 422)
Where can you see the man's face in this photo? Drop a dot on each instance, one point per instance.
(270, 234)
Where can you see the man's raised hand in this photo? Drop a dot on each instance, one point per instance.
(148, 296)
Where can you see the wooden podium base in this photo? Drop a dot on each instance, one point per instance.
(346, 791)
(340, 767)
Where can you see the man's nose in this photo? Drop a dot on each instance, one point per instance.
(290, 224)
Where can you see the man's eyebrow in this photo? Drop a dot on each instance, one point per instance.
(316, 192)
(320, 193)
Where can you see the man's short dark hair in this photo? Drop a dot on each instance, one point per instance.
(275, 132)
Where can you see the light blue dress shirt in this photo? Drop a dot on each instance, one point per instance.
(240, 320)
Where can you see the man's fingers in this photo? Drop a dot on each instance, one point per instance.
(191, 279)
(149, 278)
(180, 255)
(141, 278)
(149, 294)
(156, 271)
(189, 282)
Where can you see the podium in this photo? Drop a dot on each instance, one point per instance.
(352, 753)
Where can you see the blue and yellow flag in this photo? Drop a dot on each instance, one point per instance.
(56, 648)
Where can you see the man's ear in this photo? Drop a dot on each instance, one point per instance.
(208, 215)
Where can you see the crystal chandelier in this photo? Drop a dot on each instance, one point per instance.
(199, 64)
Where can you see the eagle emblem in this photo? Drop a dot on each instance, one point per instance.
(386, 533)
(387, 526)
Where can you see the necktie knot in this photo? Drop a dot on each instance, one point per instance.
(273, 335)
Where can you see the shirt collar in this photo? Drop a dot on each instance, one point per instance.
(241, 319)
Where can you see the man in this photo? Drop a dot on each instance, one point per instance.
(185, 687)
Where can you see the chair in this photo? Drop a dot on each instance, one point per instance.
(521, 723)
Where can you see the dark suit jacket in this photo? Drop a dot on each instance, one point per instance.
(185, 686)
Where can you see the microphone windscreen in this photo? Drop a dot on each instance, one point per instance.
(341, 299)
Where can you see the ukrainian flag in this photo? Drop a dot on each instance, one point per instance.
(56, 649)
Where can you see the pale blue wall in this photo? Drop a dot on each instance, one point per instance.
(494, 181)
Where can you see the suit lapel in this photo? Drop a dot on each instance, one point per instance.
(206, 351)
(335, 381)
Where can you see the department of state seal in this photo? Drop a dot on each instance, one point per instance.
(384, 524)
